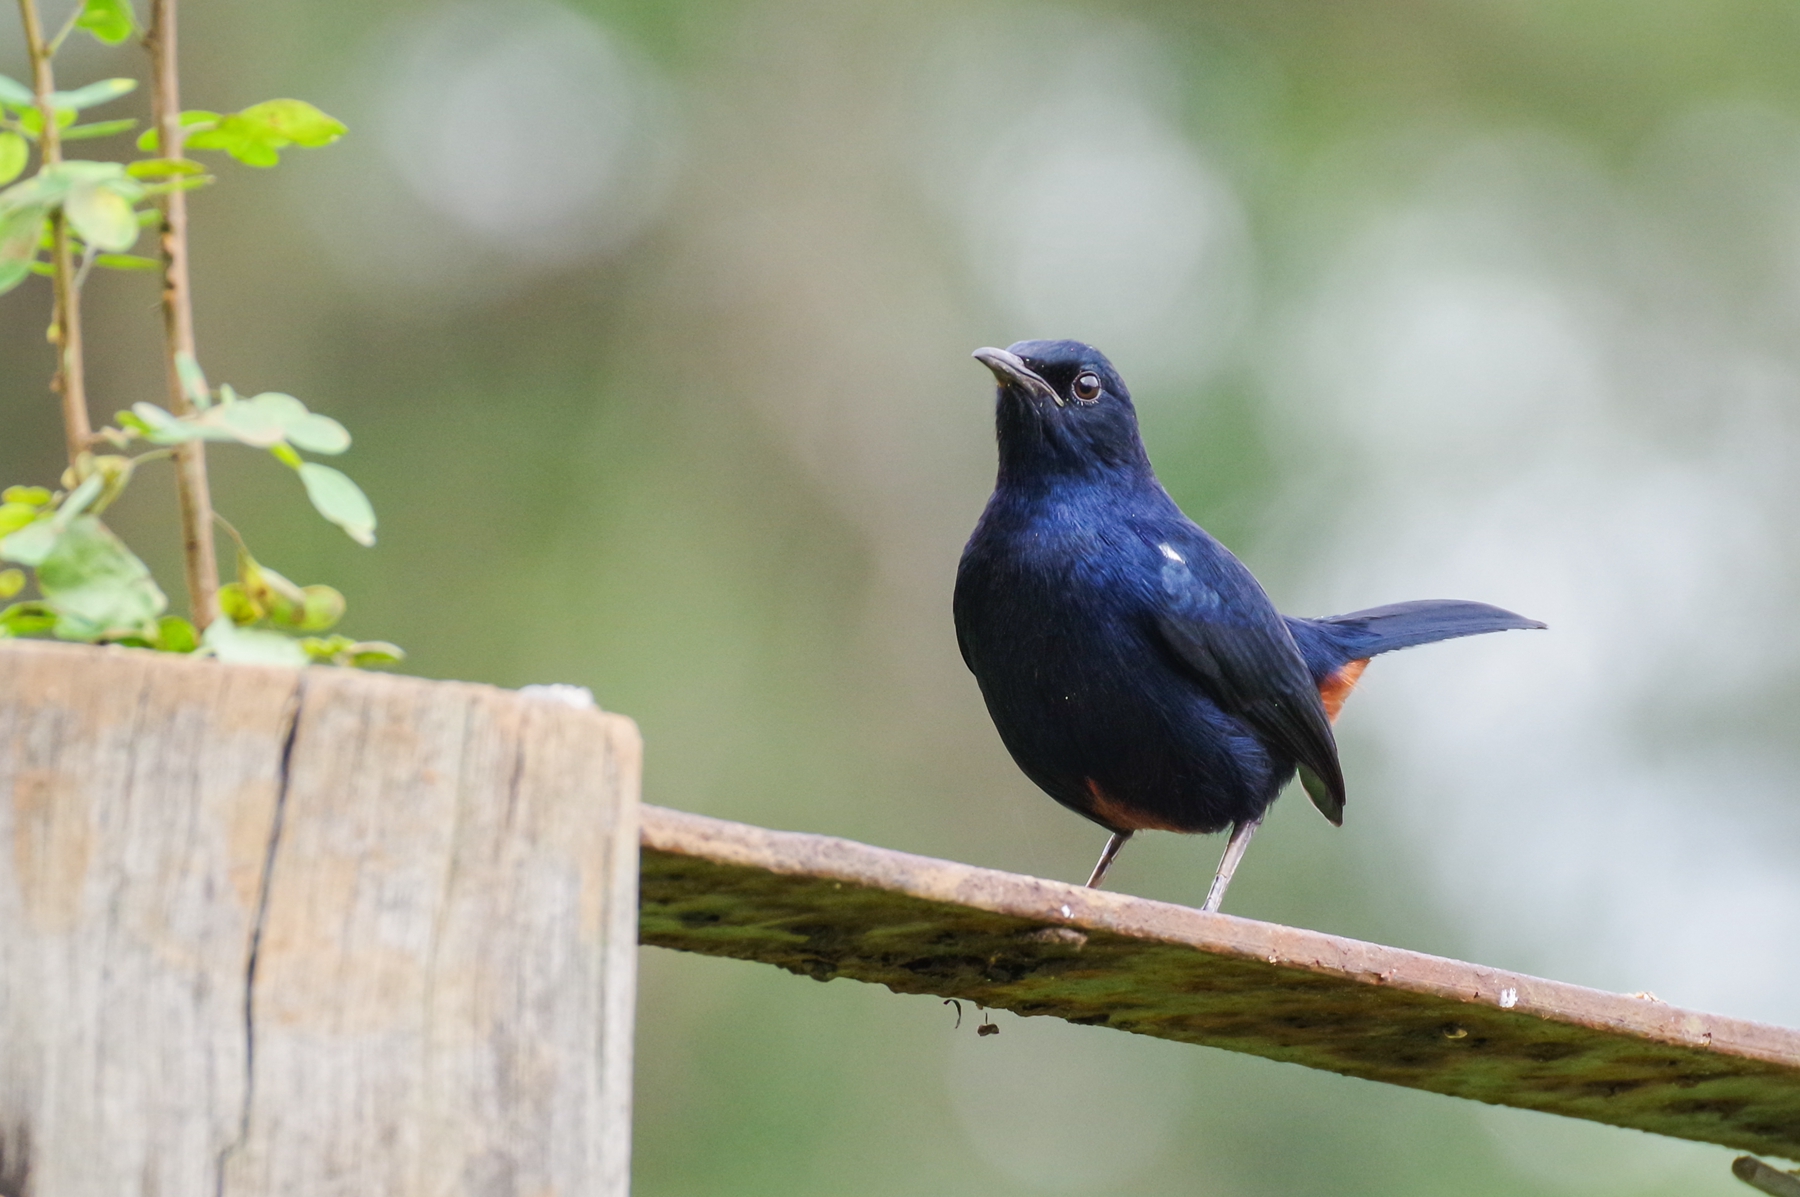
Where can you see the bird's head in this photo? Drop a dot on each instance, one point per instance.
(1061, 409)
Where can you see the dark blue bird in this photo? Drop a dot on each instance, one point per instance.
(1135, 669)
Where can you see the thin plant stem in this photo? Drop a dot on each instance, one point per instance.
(198, 550)
(70, 379)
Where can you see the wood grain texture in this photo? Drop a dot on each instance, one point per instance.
(825, 908)
(267, 931)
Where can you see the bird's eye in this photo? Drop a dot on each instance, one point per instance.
(1087, 386)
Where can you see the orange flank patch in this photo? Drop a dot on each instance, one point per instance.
(1336, 688)
(1120, 817)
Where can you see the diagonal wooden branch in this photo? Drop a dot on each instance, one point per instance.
(70, 380)
(832, 908)
(199, 553)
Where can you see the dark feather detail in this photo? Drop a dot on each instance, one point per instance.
(1258, 675)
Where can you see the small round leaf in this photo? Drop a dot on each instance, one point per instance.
(318, 434)
(110, 21)
(103, 217)
(339, 500)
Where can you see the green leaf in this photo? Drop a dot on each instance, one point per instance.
(110, 21)
(103, 217)
(126, 262)
(265, 421)
(295, 121)
(73, 627)
(247, 148)
(296, 425)
(93, 95)
(14, 154)
(193, 380)
(26, 619)
(162, 168)
(30, 496)
(175, 635)
(14, 516)
(340, 500)
(228, 642)
(318, 434)
(31, 544)
(256, 135)
(341, 650)
(31, 120)
(92, 577)
(245, 421)
(261, 420)
(131, 422)
(20, 230)
(15, 93)
(376, 652)
(158, 426)
(11, 582)
(99, 129)
(324, 650)
(149, 140)
(77, 171)
(52, 184)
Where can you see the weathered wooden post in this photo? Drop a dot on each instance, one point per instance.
(267, 931)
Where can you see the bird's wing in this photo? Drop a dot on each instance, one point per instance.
(1236, 646)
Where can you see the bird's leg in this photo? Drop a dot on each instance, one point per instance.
(1106, 857)
(1234, 852)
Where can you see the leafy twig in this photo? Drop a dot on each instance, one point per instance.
(70, 380)
(91, 586)
(198, 551)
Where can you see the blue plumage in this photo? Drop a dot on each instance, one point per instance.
(1134, 668)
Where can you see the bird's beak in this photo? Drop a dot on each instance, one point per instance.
(1011, 371)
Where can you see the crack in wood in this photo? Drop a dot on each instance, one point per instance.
(284, 772)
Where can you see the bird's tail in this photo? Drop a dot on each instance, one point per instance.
(1423, 621)
(1329, 643)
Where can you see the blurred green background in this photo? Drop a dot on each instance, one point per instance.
(652, 322)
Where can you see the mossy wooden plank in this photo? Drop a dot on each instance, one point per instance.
(829, 908)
